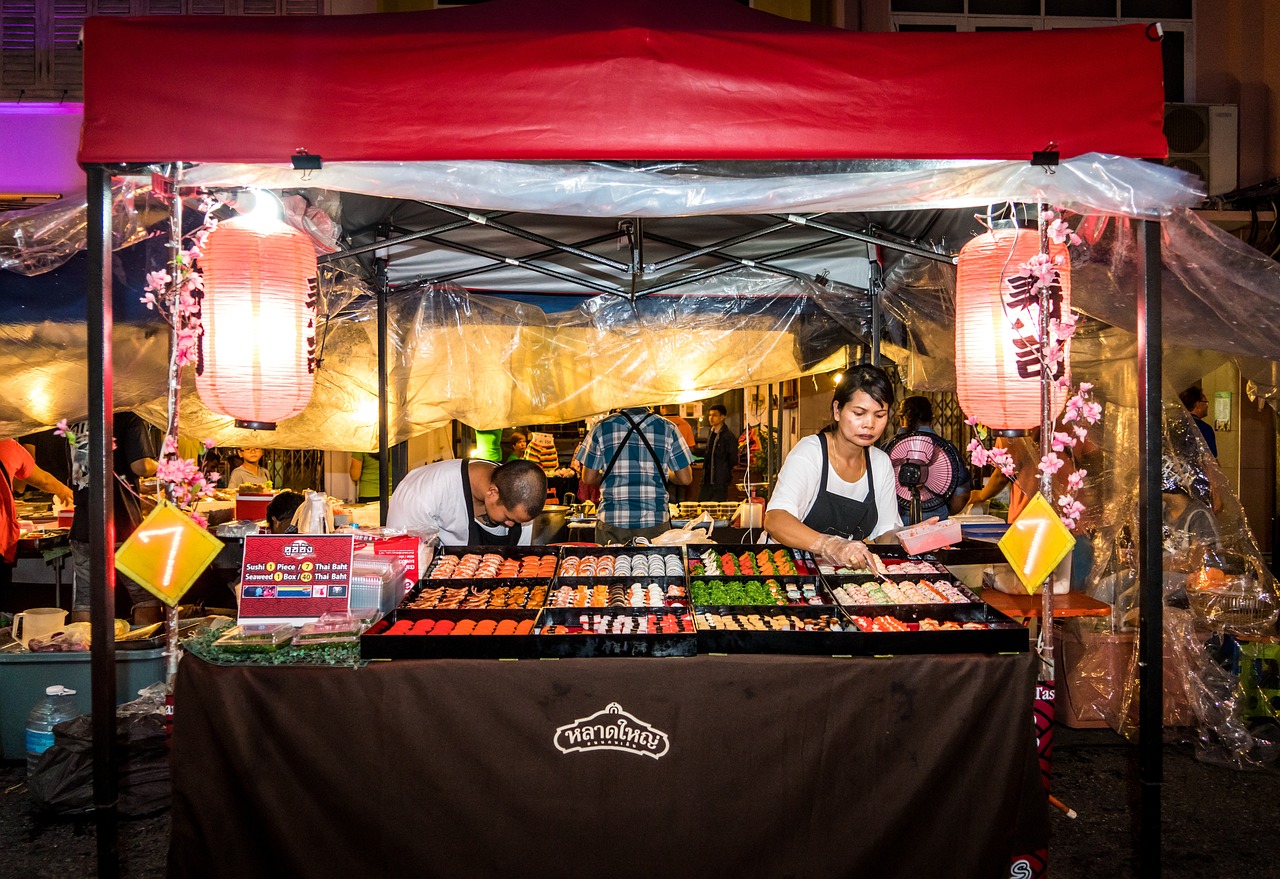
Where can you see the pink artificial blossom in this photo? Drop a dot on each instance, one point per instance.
(1071, 509)
(170, 446)
(199, 519)
(1050, 464)
(157, 280)
(1075, 480)
(1053, 354)
(63, 429)
(1041, 267)
(209, 443)
(1080, 431)
(1002, 459)
(1062, 441)
(978, 453)
(150, 301)
(1085, 387)
(971, 421)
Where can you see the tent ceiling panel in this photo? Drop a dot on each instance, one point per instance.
(580, 79)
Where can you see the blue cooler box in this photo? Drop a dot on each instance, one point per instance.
(25, 676)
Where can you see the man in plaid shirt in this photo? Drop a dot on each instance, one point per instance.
(631, 455)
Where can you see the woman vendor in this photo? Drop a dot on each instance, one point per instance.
(836, 489)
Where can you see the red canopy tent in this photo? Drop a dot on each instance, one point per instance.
(579, 79)
(564, 80)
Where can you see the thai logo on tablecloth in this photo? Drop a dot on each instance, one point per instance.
(612, 730)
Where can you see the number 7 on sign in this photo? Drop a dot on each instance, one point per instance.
(1036, 542)
(167, 552)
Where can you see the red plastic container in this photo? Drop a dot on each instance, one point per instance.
(252, 506)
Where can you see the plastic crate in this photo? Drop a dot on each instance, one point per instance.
(24, 677)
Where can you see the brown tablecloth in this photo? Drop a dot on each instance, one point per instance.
(771, 766)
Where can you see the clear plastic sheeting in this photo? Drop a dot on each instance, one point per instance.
(1219, 598)
(490, 362)
(42, 238)
(1091, 183)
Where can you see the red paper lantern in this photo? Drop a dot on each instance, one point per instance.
(998, 363)
(257, 348)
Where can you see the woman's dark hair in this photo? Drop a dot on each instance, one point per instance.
(518, 432)
(283, 506)
(872, 380)
(917, 410)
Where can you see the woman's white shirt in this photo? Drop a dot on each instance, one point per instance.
(801, 476)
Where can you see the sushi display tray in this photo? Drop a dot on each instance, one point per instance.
(989, 631)
(618, 592)
(476, 596)
(784, 630)
(735, 561)
(663, 564)
(488, 563)
(564, 632)
(451, 635)
(925, 590)
(758, 591)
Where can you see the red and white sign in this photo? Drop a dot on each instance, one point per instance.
(295, 577)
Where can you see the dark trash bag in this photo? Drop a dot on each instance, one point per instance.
(62, 781)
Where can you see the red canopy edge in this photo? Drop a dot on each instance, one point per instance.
(581, 80)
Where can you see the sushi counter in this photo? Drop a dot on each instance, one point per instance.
(577, 750)
(676, 601)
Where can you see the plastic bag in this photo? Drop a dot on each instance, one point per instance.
(692, 532)
(62, 781)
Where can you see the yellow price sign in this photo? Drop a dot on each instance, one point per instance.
(167, 553)
(1036, 543)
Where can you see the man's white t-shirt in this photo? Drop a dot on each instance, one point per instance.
(801, 476)
(430, 499)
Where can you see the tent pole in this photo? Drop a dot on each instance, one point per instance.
(1150, 568)
(875, 287)
(384, 458)
(102, 575)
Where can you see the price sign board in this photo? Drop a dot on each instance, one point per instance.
(167, 552)
(287, 578)
(1036, 542)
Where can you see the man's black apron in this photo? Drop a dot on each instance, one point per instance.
(477, 536)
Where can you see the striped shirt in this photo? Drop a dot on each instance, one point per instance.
(634, 494)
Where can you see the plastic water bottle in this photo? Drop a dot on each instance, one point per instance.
(56, 706)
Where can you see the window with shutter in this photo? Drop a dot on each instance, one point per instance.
(18, 61)
(65, 59)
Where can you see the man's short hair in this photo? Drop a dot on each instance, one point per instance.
(1191, 396)
(521, 484)
(718, 407)
(283, 506)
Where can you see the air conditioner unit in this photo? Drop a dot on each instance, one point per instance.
(1203, 140)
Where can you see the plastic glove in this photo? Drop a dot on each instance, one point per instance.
(842, 552)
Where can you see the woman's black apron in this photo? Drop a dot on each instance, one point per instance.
(477, 536)
(839, 515)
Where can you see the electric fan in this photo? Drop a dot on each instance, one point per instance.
(928, 469)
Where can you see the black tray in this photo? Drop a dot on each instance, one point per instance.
(819, 588)
(1008, 637)
(662, 582)
(491, 583)
(381, 646)
(833, 582)
(506, 552)
(802, 643)
(806, 564)
(591, 644)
